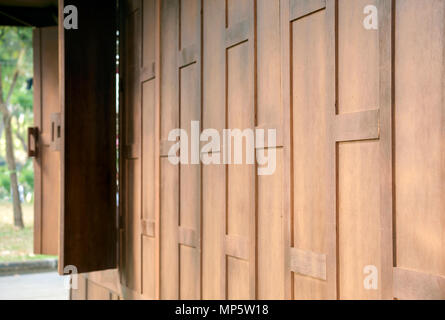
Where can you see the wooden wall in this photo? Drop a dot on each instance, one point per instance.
(360, 174)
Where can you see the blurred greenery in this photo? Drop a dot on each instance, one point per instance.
(16, 49)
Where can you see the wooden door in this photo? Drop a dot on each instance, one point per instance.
(45, 141)
(88, 220)
(337, 84)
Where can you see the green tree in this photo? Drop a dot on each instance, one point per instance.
(15, 69)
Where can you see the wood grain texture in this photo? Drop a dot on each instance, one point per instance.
(47, 161)
(412, 285)
(88, 173)
(420, 139)
(359, 161)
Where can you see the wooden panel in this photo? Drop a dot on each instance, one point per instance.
(136, 167)
(309, 216)
(358, 162)
(271, 246)
(133, 224)
(241, 211)
(169, 179)
(88, 102)
(169, 231)
(190, 174)
(412, 285)
(358, 216)
(214, 176)
(47, 162)
(148, 268)
(420, 139)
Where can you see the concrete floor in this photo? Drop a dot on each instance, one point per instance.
(40, 286)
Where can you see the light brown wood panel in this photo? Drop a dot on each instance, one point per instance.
(241, 178)
(420, 137)
(47, 162)
(358, 216)
(271, 244)
(190, 174)
(309, 216)
(169, 230)
(169, 178)
(134, 168)
(309, 69)
(214, 176)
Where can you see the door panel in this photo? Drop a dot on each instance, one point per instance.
(88, 148)
(47, 161)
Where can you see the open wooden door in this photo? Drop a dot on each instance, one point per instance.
(88, 234)
(74, 139)
(42, 145)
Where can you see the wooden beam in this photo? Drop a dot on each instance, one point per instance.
(302, 8)
(413, 285)
(237, 34)
(237, 247)
(357, 126)
(308, 263)
(188, 237)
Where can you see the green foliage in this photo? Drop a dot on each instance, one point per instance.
(16, 52)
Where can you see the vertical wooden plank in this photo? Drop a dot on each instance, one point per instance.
(37, 82)
(47, 162)
(214, 176)
(271, 247)
(190, 174)
(287, 144)
(310, 145)
(358, 161)
(386, 40)
(241, 179)
(150, 148)
(132, 141)
(419, 122)
(169, 185)
(331, 159)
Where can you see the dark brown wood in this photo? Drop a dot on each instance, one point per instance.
(88, 147)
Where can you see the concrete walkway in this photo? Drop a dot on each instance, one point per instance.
(40, 286)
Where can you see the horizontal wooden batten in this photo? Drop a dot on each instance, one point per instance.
(357, 126)
(279, 143)
(148, 228)
(188, 237)
(188, 56)
(413, 285)
(148, 73)
(237, 34)
(165, 147)
(131, 151)
(308, 263)
(237, 247)
(302, 8)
